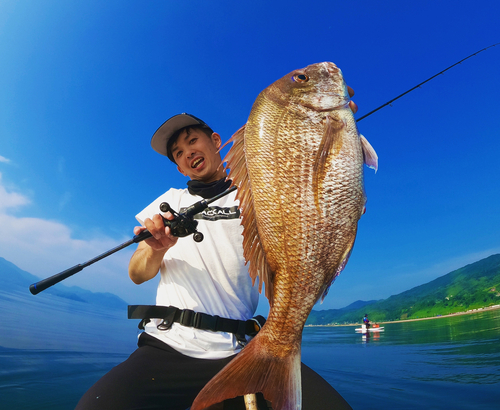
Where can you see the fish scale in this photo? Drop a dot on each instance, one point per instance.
(298, 165)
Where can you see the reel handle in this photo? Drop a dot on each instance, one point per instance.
(183, 224)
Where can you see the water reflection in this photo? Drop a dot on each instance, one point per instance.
(451, 362)
(373, 337)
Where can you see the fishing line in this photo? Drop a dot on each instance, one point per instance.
(429, 79)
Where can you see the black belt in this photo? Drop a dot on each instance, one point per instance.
(198, 320)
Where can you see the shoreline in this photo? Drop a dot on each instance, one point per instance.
(469, 312)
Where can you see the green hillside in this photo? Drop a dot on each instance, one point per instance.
(473, 286)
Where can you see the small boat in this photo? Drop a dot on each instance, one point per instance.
(374, 329)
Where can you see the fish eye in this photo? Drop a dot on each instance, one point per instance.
(300, 78)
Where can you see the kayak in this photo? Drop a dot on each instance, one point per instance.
(377, 329)
(374, 329)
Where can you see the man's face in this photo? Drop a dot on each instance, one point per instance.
(196, 155)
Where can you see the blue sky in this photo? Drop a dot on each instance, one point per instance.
(84, 84)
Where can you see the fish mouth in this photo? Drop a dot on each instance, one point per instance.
(343, 104)
(197, 162)
(329, 102)
(332, 93)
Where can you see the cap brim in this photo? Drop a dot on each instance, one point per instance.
(169, 127)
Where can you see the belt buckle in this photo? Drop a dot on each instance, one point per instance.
(187, 317)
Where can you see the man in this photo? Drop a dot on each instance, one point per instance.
(180, 351)
(366, 322)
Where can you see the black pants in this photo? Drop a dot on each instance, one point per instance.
(156, 376)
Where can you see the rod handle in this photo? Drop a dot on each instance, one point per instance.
(40, 286)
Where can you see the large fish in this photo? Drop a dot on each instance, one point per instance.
(298, 164)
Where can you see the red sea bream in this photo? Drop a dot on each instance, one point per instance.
(298, 165)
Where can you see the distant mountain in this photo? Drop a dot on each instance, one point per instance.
(473, 286)
(62, 317)
(319, 317)
(71, 318)
(13, 278)
(358, 305)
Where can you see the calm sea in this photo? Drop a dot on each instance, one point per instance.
(447, 363)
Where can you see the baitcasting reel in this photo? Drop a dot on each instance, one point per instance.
(183, 224)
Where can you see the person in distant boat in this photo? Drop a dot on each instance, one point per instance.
(205, 299)
(366, 322)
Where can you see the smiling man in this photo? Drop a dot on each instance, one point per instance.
(195, 155)
(205, 299)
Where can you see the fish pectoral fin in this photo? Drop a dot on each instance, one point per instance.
(331, 136)
(370, 157)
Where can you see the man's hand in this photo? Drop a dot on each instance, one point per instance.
(162, 239)
(352, 105)
(146, 260)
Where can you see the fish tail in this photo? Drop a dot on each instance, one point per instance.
(252, 371)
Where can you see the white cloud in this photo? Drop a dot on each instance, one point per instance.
(44, 248)
(3, 159)
(10, 199)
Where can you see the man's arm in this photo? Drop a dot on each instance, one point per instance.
(146, 260)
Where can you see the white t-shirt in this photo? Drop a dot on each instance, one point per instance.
(208, 276)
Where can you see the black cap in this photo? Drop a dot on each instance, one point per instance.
(168, 128)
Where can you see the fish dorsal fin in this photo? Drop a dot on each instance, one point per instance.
(252, 248)
(370, 157)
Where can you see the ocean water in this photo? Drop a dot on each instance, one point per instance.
(446, 363)
(55, 380)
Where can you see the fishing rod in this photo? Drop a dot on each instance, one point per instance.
(423, 82)
(182, 225)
